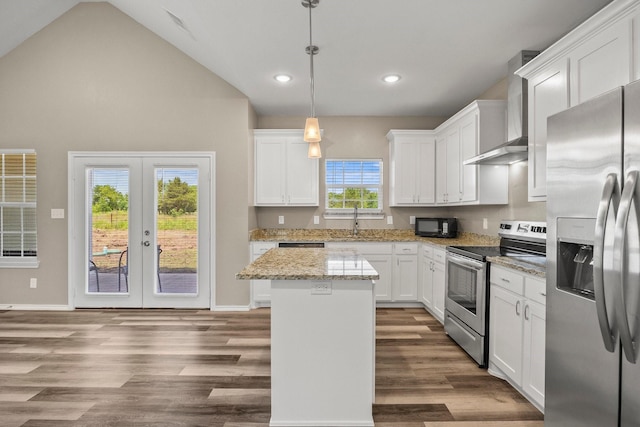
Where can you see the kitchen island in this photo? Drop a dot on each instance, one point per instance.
(322, 335)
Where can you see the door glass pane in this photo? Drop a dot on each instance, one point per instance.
(462, 286)
(108, 225)
(177, 230)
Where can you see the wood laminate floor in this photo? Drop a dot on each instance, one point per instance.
(203, 368)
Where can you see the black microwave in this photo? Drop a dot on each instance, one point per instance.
(437, 227)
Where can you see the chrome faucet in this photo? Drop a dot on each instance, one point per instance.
(355, 220)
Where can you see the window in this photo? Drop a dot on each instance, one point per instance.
(18, 246)
(352, 183)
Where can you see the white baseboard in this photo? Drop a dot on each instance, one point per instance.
(35, 307)
(230, 308)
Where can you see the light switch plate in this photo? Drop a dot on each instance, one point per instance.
(321, 288)
(412, 220)
(57, 213)
(485, 224)
(281, 219)
(316, 219)
(389, 220)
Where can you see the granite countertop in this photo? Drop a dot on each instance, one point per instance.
(536, 266)
(366, 235)
(309, 264)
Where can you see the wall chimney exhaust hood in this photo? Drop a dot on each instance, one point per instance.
(515, 149)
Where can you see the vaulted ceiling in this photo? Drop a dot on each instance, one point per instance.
(447, 51)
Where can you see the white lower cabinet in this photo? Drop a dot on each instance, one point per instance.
(380, 257)
(260, 289)
(432, 280)
(405, 272)
(517, 331)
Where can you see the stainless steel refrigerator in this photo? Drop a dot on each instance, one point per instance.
(593, 263)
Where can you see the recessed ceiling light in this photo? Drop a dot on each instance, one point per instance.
(282, 78)
(391, 78)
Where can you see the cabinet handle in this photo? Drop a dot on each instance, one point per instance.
(544, 294)
(518, 308)
(505, 280)
(526, 312)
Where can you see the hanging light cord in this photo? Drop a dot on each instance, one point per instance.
(311, 50)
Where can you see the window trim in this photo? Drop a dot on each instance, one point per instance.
(21, 261)
(347, 213)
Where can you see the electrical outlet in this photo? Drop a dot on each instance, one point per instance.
(281, 219)
(321, 288)
(389, 220)
(485, 223)
(316, 219)
(33, 283)
(412, 220)
(57, 213)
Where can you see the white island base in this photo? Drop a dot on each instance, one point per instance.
(322, 353)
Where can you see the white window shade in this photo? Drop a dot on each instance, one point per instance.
(351, 183)
(18, 229)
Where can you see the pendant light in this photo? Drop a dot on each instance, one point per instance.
(312, 127)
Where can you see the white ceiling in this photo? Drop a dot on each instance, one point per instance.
(447, 51)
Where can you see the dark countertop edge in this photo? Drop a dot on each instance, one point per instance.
(537, 270)
(304, 277)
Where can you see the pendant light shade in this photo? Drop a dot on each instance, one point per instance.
(314, 150)
(312, 130)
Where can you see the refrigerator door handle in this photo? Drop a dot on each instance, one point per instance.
(610, 198)
(620, 262)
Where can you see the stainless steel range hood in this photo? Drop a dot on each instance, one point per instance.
(515, 149)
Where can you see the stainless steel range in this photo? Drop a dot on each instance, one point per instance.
(467, 277)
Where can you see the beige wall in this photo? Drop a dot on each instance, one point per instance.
(95, 80)
(365, 137)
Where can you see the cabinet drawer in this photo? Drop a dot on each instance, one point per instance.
(507, 279)
(406, 248)
(260, 248)
(363, 248)
(439, 255)
(427, 250)
(535, 289)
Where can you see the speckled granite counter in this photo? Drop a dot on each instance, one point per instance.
(309, 264)
(366, 235)
(534, 266)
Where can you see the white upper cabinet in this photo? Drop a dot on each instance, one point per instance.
(412, 173)
(477, 128)
(597, 56)
(284, 175)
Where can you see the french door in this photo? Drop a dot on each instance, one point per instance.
(141, 230)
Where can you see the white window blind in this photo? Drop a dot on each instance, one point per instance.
(18, 238)
(351, 183)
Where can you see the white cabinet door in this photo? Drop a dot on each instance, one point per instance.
(302, 174)
(534, 351)
(382, 264)
(426, 267)
(548, 95)
(405, 278)
(468, 149)
(260, 289)
(270, 165)
(441, 168)
(602, 63)
(425, 172)
(454, 195)
(284, 175)
(412, 172)
(506, 334)
(439, 285)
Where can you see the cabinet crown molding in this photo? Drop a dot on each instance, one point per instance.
(600, 21)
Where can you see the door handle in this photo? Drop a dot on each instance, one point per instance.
(620, 262)
(610, 199)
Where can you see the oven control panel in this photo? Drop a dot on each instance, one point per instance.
(525, 230)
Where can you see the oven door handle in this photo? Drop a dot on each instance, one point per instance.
(456, 259)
